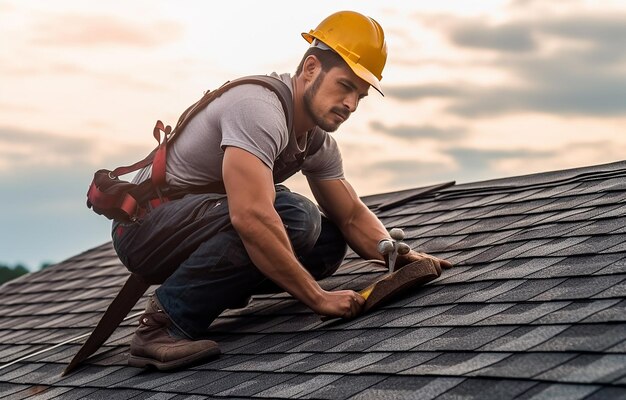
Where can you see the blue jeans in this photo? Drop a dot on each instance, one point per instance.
(190, 246)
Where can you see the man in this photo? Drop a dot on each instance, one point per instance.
(223, 249)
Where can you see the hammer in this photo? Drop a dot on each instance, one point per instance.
(416, 273)
(391, 284)
(392, 247)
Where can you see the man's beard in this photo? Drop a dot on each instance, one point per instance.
(309, 94)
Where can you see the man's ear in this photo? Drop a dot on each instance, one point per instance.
(311, 67)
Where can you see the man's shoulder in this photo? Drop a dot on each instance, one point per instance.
(250, 91)
(249, 101)
(259, 90)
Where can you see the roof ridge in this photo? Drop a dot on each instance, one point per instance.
(519, 183)
(540, 179)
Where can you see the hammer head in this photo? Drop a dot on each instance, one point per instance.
(403, 248)
(396, 234)
(385, 247)
(392, 247)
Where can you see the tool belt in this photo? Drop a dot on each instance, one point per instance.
(127, 202)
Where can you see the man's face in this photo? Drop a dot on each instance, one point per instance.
(333, 96)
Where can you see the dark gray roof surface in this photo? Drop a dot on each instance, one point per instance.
(534, 309)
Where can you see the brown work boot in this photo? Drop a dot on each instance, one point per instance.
(154, 345)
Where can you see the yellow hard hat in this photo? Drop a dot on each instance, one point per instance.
(358, 39)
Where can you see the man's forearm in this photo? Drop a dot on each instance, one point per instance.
(363, 232)
(269, 248)
(359, 226)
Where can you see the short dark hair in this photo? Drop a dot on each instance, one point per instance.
(328, 58)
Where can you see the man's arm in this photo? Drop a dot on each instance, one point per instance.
(250, 190)
(359, 226)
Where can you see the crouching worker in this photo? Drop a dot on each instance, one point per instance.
(212, 251)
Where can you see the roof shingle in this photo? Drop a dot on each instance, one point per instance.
(535, 309)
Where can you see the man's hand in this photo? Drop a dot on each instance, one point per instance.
(341, 303)
(413, 255)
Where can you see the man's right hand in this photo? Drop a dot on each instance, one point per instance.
(345, 304)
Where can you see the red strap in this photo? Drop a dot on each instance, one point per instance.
(129, 205)
(154, 203)
(119, 171)
(100, 199)
(96, 197)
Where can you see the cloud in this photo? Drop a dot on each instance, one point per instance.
(420, 92)
(480, 160)
(17, 108)
(603, 35)
(102, 30)
(21, 149)
(44, 180)
(409, 173)
(474, 164)
(417, 132)
(598, 28)
(469, 165)
(44, 215)
(514, 37)
(569, 94)
(567, 81)
(528, 34)
(563, 64)
(18, 69)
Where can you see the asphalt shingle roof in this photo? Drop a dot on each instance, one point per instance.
(535, 308)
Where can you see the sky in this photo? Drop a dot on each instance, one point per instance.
(474, 90)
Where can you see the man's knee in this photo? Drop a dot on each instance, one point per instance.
(302, 219)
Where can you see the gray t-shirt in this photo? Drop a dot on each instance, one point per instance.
(249, 117)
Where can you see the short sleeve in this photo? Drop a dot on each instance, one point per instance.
(254, 120)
